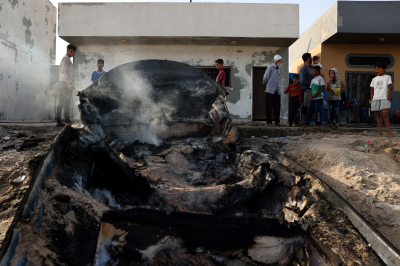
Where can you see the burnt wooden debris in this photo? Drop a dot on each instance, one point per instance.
(227, 235)
(152, 100)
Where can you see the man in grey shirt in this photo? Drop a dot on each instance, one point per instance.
(272, 92)
(67, 77)
(305, 81)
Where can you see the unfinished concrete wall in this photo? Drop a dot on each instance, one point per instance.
(148, 22)
(241, 59)
(27, 49)
(322, 29)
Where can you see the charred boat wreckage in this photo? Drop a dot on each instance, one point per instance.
(158, 176)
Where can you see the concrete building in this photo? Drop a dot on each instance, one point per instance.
(352, 36)
(245, 36)
(27, 49)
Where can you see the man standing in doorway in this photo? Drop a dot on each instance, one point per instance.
(66, 86)
(305, 81)
(273, 93)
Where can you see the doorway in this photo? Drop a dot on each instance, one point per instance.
(259, 99)
(358, 87)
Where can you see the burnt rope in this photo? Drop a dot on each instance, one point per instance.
(389, 254)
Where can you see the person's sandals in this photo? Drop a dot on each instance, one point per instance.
(269, 125)
(68, 124)
(59, 124)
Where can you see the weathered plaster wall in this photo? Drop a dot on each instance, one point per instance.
(241, 59)
(27, 49)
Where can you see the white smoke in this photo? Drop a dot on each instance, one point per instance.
(104, 196)
(138, 95)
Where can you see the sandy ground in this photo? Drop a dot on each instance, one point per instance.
(15, 163)
(368, 177)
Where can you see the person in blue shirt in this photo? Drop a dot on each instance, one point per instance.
(273, 92)
(99, 72)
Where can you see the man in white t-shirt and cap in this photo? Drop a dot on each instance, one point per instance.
(272, 92)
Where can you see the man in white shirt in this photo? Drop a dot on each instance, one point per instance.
(66, 79)
(381, 96)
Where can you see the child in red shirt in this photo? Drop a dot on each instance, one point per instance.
(294, 101)
(219, 64)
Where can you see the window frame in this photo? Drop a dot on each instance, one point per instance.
(227, 70)
(347, 60)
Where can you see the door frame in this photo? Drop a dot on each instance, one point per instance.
(252, 92)
(363, 72)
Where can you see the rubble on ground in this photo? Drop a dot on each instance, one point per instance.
(101, 224)
(22, 150)
(363, 168)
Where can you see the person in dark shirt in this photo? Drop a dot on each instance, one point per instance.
(305, 81)
(219, 64)
(294, 101)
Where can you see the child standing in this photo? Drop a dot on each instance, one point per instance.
(294, 100)
(317, 87)
(334, 88)
(381, 95)
(99, 72)
(219, 64)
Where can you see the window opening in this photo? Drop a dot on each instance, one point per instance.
(368, 60)
(212, 72)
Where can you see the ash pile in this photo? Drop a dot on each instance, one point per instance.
(166, 181)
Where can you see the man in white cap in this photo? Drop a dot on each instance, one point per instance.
(273, 93)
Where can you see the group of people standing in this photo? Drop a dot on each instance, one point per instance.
(306, 94)
(66, 81)
(312, 85)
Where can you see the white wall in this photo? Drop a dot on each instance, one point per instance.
(179, 20)
(193, 33)
(241, 59)
(27, 49)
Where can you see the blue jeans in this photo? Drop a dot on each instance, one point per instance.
(334, 109)
(315, 106)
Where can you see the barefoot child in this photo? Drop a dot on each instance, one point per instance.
(381, 95)
(294, 100)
